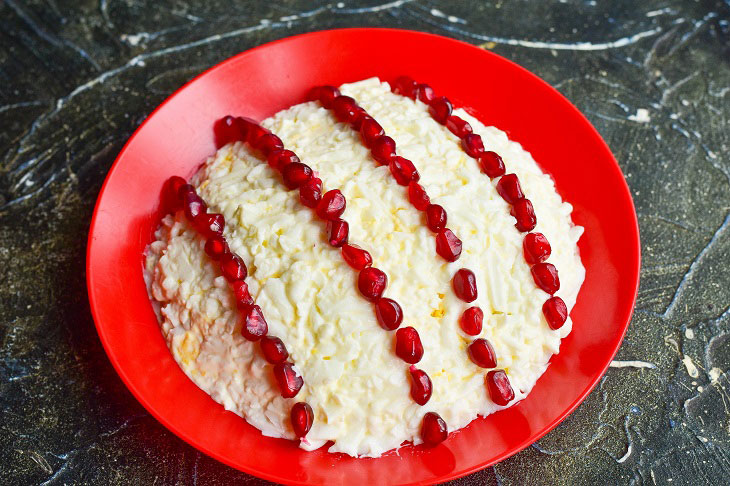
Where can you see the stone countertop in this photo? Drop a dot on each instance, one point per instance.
(77, 78)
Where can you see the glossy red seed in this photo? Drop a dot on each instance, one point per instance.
(345, 108)
(313, 94)
(244, 126)
(509, 188)
(440, 109)
(338, 232)
(499, 388)
(358, 117)
(232, 267)
(482, 353)
(254, 325)
(403, 170)
(356, 257)
(278, 159)
(433, 429)
(210, 224)
(268, 143)
(546, 277)
(194, 206)
(424, 93)
(370, 130)
(171, 192)
(435, 217)
(418, 196)
(184, 190)
(289, 381)
(448, 246)
(389, 313)
(383, 149)
(524, 213)
(274, 350)
(310, 192)
(471, 321)
(327, 95)
(536, 248)
(421, 387)
(226, 131)
(404, 86)
(408, 345)
(491, 164)
(465, 285)
(458, 126)
(241, 294)
(332, 205)
(216, 247)
(555, 311)
(296, 174)
(371, 282)
(473, 145)
(254, 132)
(302, 418)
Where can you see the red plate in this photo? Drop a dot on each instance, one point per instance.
(178, 136)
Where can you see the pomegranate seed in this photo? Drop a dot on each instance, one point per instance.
(372, 282)
(383, 149)
(424, 93)
(253, 133)
(278, 159)
(473, 145)
(471, 321)
(183, 192)
(226, 131)
(332, 205)
(404, 86)
(254, 325)
(233, 267)
(465, 285)
(499, 388)
(216, 247)
(408, 345)
(244, 126)
(482, 353)
(458, 126)
(313, 94)
(555, 311)
(524, 213)
(403, 170)
(509, 188)
(448, 245)
(358, 117)
(327, 95)
(210, 224)
(389, 313)
(194, 206)
(356, 257)
(440, 109)
(241, 294)
(546, 277)
(311, 192)
(268, 143)
(344, 108)
(296, 174)
(289, 381)
(536, 248)
(491, 164)
(274, 350)
(435, 217)
(417, 195)
(302, 418)
(433, 429)
(173, 201)
(420, 386)
(370, 130)
(337, 232)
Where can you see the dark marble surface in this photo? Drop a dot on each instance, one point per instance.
(77, 77)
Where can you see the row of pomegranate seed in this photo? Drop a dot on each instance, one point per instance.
(536, 247)
(329, 207)
(181, 195)
(448, 245)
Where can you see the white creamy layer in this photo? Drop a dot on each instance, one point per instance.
(357, 387)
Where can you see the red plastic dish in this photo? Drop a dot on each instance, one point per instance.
(178, 136)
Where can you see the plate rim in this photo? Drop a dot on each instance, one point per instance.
(129, 384)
